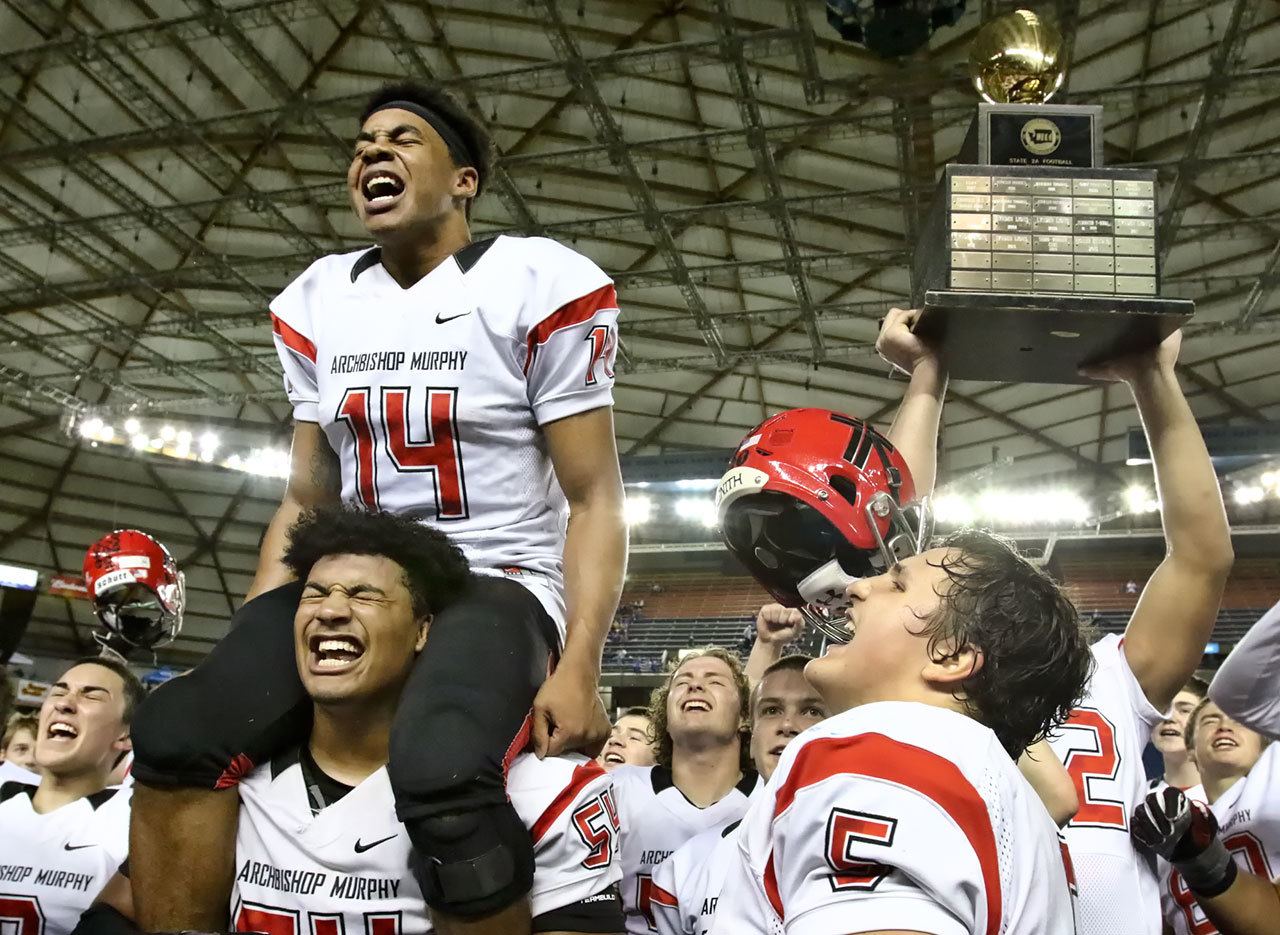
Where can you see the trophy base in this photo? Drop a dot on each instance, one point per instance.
(1007, 337)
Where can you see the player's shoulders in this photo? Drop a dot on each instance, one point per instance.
(326, 277)
(15, 796)
(631, 779)
(562, 775)
(542, 254)
(890, 725)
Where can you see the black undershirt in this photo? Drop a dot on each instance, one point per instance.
(322, 789)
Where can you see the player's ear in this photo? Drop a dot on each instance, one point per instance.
(424, 627)
(123, 743)
(466, 182)
(953, 667)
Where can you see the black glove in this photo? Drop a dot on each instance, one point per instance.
(1185, 833)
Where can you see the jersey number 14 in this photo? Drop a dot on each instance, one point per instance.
(429, 447)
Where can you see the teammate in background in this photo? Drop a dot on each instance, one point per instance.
(1168, 737)
(702, 777)
(776, 628)
(630, 742)
(1238, 897)
(1239, 785)
(61, 841)
(686, 886)
(467, 385)
(19, 744)
(1137, 676)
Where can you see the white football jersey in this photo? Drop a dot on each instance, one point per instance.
(434, 396)
(1101, 746)
(52, 866)
(687, 885)
(657, 820)
(1244, 686)
(897, 816)
(1249, 826)
(12, 772)
(345, 870)
(1194, 793)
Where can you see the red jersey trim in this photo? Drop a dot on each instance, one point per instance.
(879, 757)
(583, 775)
(293, 340)
(663, 898)
(570, 314)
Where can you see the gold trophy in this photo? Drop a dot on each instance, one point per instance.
(1035, 259)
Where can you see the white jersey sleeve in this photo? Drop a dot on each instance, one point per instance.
(569, 328)
(687, 885)
(568, 805)
(1245, 686)
(295, 341)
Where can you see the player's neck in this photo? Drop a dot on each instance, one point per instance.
(350, 743)
(1216, 785)
(1180, 772)
(62, 789)
(409, 258)
(705, 775)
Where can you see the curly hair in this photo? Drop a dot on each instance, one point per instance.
(444, 105)
(27, 722)
(660, 735)
(435, 571)
(1035, 649)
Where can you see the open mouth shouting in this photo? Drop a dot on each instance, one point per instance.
(615, 758)
(61, 731)
(696, 704)
(1169, 729)
(382, 189)
(333, 653)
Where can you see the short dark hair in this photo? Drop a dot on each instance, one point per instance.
(1035, 649)
(660, 734)
(134, 691)
(1189, 729)
(1196, 686)
(444, 105)
(635, 711)
(435, 571)
(795, 662)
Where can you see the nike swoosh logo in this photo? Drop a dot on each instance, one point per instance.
(440, 320)
(78, 847)
(361, 848)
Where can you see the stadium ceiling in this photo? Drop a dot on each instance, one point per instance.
(752, 182)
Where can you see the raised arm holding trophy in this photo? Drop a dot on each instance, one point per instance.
(1035, 259)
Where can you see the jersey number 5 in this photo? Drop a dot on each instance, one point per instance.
(846, 831)
(597, 825)
(24, 911)
(429, 446)
(1092, 757)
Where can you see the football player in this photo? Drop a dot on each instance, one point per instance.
(686, 886)
(702, 777)
(1137, 676)
(1198, 888)
(1168, 737)
(467, 384)
(630, 742)
(19, 744)
(62, 840)
(904, 811)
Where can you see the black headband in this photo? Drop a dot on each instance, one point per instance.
(453, 142)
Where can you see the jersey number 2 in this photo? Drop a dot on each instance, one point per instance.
(386, 423)
(1096, 759)
(24, 910)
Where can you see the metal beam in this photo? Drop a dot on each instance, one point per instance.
(610, 134)
(767, 170)
(1212, 97)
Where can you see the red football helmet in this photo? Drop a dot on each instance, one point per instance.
(815, 500)
(136, 588)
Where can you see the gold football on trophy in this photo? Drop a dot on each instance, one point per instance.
(1017, 59)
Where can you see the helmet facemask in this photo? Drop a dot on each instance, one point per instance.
(825, 590)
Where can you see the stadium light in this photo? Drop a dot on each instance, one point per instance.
(1247, 494)
(698, 510)
(168, 433)
(1139, 500)
(91, 428)
(637, 510)
(132, 426)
